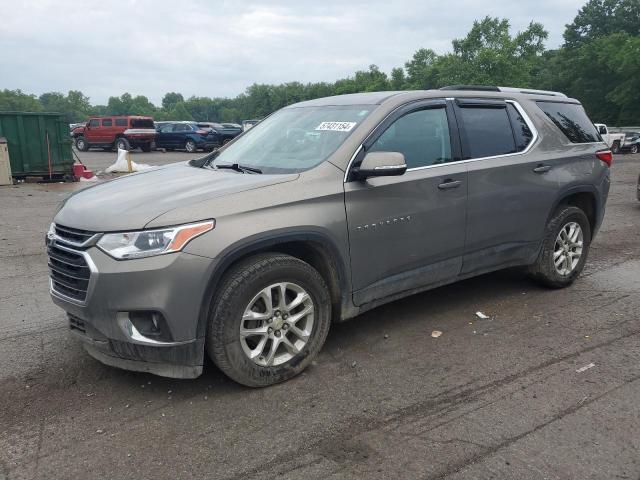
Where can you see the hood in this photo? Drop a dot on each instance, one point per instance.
(132, 201)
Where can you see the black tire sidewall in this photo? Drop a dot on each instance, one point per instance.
(83, 141)
(223, 338)
(124, 142)
(545, 268)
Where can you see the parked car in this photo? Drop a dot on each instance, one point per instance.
(631, 143)
(324, 210)
(247, 124)
(228, 131)
(613, 140)
(122, 132)
(186, 135)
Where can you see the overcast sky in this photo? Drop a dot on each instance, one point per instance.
(218, 48)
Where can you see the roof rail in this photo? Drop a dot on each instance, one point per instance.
(482, 88)
(488, 88)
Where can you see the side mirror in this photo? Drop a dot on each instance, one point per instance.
(381, 164)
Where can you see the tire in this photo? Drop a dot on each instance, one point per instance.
(145, 147)
(122, 144)
(190, 146)
(81, 144)
(238, 290)
(544, 270)
(615, 148)
(634, 148)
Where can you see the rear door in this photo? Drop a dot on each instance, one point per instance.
(107, 131)
(510, 191)
(407, 231)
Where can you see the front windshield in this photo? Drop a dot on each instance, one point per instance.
(294, 139)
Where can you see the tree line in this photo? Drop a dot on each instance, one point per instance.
(598, 63)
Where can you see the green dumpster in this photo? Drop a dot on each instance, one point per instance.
(39, 144)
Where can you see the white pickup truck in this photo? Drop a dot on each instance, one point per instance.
(614, 140)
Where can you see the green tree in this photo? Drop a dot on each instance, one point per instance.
(489, 55)
(171, 99)
(600, 18)
(17, 101)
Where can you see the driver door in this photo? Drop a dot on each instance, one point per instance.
(407, 232)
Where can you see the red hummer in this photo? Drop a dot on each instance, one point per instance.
(123, 132)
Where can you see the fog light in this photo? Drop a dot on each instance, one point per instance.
(148, 324)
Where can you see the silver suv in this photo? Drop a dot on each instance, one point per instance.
(325, 209)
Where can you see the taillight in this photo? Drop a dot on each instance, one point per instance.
(606, 156)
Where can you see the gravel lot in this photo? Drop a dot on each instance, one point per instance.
(506, 397)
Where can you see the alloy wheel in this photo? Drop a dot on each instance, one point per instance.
(277, 324)
(568, 248)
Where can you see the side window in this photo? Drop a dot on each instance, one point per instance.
(107, 122)
(94, 122)
(602, 130)
(180, 127)
(121, 122)
(572, 120)
(166, 128)
(488, 131)
(421, 136)
(521, 130)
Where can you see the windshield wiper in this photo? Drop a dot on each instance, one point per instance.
(238, 168)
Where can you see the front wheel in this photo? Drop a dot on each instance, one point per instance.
(190, 146)
(81, 144)
(270, 318)
(565, 248)
(634, 148)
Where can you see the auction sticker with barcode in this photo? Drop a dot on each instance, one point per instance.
(337, 126)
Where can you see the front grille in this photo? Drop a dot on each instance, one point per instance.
(76, 324)
(73, 235)
(69, 272)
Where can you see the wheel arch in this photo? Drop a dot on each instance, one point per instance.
(313, 247)
(584, 197)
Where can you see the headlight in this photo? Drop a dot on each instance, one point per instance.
(147, 243)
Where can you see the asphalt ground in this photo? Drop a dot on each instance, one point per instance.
(512, 396)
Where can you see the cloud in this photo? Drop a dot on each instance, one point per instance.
(197, 47)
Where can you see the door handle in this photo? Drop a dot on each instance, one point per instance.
(542, 168)
(447, 184)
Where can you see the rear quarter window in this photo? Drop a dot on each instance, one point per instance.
(572, 120)
(142, 123)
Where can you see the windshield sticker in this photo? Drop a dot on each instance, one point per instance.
(336, 126)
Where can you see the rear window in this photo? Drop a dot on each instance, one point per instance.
(142, 123)
(572, 120)
(121, 122)
(488, 131)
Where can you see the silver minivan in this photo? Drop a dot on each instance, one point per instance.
(323, 210)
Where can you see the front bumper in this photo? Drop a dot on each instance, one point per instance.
(172, 285)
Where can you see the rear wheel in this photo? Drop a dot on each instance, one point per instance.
(190, 146)
(615, 148)
(81, 144)
(270, 318)
(565, 248)
(123, 144)
(634, 148)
